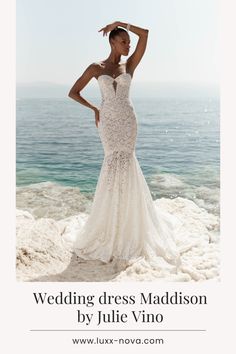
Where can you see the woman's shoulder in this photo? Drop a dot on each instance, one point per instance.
(93, 68)
(97, 67)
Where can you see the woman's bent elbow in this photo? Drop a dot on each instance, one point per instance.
(72, 94)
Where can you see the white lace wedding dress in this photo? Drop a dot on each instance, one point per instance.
(124, 223)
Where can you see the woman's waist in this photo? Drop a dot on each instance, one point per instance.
(116, 102)
(116, 99)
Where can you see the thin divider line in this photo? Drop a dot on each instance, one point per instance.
(118, 330)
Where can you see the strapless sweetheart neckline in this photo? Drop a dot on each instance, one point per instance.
(115, 77)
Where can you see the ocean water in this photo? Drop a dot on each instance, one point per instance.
(59, 153)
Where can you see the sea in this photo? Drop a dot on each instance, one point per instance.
(59, 152)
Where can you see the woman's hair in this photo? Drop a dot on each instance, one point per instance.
(116, 31)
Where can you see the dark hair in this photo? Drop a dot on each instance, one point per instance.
(115, 32)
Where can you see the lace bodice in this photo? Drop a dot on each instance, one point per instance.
(114, 88)
(117, 126)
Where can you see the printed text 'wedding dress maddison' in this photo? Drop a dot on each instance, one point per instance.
(124, 223)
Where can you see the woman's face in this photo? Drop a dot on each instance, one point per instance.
(121, 43)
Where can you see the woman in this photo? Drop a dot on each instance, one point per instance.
(124, 224)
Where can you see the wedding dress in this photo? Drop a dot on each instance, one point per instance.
(124, 223)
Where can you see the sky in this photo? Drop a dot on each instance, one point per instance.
(57, 39)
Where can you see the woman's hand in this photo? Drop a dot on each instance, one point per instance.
(97, 117)
(108, 28)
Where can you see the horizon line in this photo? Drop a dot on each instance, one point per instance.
(217, 83)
